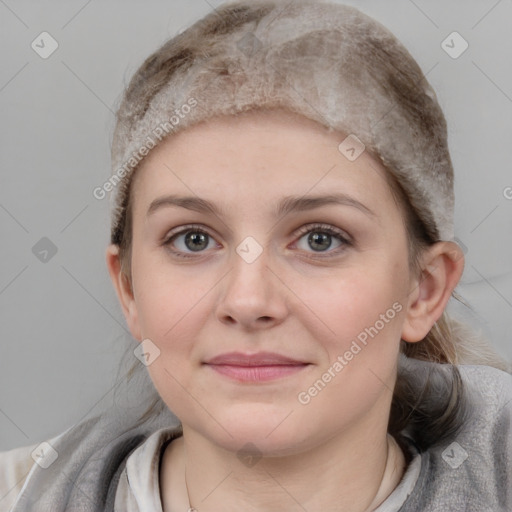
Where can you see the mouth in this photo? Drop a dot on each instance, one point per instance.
(259, 367)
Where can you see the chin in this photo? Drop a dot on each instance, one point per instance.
(273, 431)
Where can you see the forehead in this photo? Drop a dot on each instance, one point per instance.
(268, 154)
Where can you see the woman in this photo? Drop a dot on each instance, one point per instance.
(282, 250)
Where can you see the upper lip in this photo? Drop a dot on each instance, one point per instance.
(257, 359)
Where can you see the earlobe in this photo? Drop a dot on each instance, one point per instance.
(123, 290)
(443, 265)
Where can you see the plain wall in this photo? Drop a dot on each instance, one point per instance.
(63, 330)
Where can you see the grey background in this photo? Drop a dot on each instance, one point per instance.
(63, 332)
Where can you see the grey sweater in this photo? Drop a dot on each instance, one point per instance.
(473, 472)
(104, 464)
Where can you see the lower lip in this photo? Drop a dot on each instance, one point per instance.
(257, 373)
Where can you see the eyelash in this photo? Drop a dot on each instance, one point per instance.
(320, 228)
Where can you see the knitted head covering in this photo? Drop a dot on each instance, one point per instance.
(325, 61)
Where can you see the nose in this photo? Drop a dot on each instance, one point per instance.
(253, 295)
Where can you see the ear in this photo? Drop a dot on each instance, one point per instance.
(442, 264)
(124, 291)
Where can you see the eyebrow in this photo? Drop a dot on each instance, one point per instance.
(286, 205)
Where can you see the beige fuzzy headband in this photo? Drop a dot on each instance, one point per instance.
(328, 62)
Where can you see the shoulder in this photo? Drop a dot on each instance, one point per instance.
(15, 465)
(486, 381)
(473, 470)
(19, 464)
(489, 402)
(489, 415)
(89, 455)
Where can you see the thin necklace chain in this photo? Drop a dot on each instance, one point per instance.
(190, 507)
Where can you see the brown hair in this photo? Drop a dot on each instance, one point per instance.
(429, 405)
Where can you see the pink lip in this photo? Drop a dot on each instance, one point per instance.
(257, 359)
(259, 367)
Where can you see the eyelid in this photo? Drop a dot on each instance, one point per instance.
(322, 227)
(180, 230)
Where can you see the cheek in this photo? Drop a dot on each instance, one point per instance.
(166, 296)
(364, 317)
(343, 307)
(364, 314)
(173, 306)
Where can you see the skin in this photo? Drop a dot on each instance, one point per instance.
(294, 299)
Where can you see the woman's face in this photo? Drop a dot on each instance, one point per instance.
(273, 242)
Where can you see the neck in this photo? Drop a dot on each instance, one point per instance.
(338, 475)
